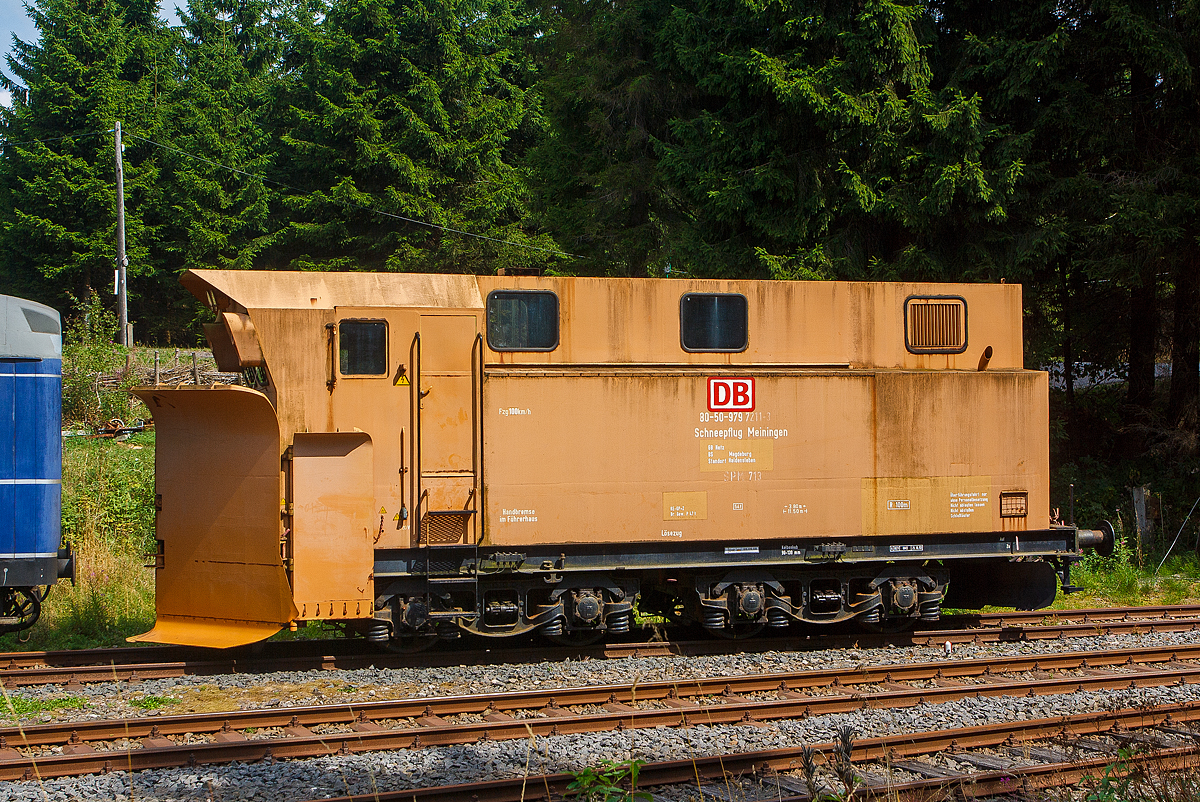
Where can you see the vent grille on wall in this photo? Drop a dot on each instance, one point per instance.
(1014, 505)
(442, 527)
(936, 325)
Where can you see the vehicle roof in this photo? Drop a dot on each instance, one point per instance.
(280, 289)
(29, 330)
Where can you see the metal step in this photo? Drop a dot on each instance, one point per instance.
(452, 580)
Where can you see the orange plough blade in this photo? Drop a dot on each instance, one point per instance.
(221, 579)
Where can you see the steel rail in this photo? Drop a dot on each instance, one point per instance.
(935, 637)
(554, 718)
(279, 650)
(947, 670)
(139, 663)
(890, 747)
(1027, 777)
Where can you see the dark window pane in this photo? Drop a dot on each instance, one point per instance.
(713, 322)
(362, 346)
(40, 322)
(522, 321)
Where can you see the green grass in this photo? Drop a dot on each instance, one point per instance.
(13, 706)
(153, 702)
(108, 517)
(308, 630)
(1128, 579)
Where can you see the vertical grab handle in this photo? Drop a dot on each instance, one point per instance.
(414, 394)
(332, 380)
(477, 369)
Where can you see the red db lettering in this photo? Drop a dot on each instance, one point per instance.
(730, 394)
(741, 394)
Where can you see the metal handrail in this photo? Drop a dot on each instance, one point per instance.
(415, 414)
(479, 439)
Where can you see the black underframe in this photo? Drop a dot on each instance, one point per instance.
(28, 572)
(397, 564)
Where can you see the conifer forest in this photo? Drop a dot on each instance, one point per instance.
(1051, 143)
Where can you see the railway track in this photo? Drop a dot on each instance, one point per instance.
(53, 750)
(977, 761)
(143, 663)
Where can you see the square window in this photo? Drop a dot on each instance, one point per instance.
(713, 322)
(362, 347)
(522, 320)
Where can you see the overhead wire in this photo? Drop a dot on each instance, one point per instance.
(77, 135)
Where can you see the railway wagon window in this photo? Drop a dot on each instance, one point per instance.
(713, 322)
(362, 347)
(522, 320)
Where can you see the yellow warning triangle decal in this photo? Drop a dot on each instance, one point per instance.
(382, 511)
(402, 382)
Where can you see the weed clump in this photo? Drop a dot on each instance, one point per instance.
(153, 702)
(1127, 578)
(17, 707)
(88, 352)
(1116, 577)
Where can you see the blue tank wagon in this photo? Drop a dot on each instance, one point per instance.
(30, 461)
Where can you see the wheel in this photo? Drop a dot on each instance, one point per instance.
(888, 626)
(739, 631)
(577, 637)
(412, 631)
(19, 609)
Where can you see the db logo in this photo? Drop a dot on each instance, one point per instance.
(729, 394)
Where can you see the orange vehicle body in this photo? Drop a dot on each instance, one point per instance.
(411, 455)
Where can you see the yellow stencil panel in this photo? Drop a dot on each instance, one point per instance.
(737, 455)
(685, 506)
(928, 505)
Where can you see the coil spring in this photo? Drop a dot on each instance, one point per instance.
(553, 627)
(377, 632)
(712, 618)
(930, 607)
(777, 617)
(872, 616)
(620, 622)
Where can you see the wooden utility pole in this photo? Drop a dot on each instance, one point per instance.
(122, 261)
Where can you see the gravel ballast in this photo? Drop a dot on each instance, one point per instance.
(334, 776)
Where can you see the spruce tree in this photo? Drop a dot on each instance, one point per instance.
(415, 109)
(789, 139)
(1100, 104)
(95, 62)
(595, 175)
(230, 50)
